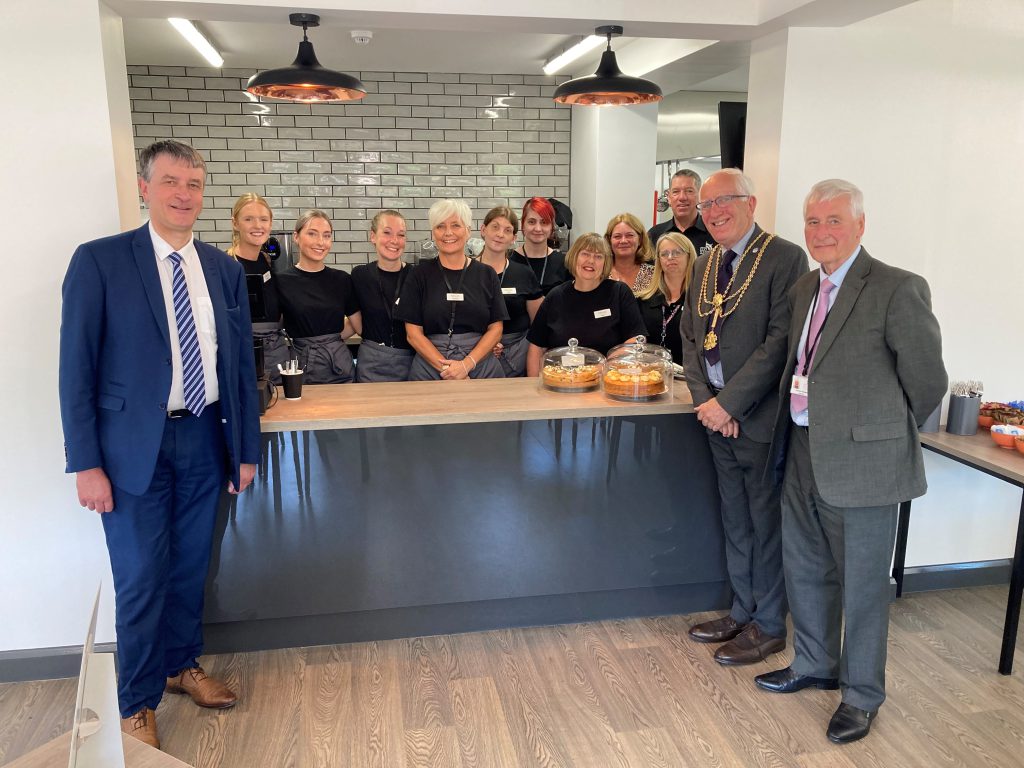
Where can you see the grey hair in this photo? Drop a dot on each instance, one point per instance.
(176, 150)
(443, 210)
(830, 189)
(740, 180)
(689, 174)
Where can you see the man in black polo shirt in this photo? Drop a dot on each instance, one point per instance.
(682, 197)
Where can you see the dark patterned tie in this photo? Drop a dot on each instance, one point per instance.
(713, 356)
(192, 378)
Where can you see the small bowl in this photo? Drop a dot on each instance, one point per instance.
(984, 422)
(1005, 435)
(1018, 442)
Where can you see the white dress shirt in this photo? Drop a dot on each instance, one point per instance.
(836, 278)
(202, 314)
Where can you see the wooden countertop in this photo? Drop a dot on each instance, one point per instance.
(978, 451)
(356, 406)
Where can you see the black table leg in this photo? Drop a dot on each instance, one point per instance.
(900, 557)
(1013, 599)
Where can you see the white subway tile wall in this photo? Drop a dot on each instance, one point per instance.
(416, 137)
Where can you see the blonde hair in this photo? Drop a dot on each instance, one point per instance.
(594, 243)
(644, 252)
(243, 200)
(658, 284)
(308, 216)
(375, 223)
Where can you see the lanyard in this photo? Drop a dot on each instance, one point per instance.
(389, 306)
(666, 320)
(810, 346)
(501, 280)
(448, 285)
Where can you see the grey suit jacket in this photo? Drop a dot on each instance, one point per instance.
(752, 339)
(877, 374)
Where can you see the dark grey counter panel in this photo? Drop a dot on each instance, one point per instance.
(357, 534)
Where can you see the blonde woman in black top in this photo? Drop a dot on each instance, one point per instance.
(661, 304)
(251, 222)
(385, 353)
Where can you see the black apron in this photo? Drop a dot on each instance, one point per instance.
(513, 356)
(324, 359)
(379, 362)
(457, 347)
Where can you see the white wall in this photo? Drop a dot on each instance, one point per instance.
(922, 108)
(59, 159)
(613, 151)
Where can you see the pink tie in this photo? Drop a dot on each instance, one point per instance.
(798, 403)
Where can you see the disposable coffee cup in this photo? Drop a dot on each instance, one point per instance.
(292, 383)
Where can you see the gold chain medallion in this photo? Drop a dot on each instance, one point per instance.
(711, 301)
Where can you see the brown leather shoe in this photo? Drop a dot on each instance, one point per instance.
(716, 630)
(142, 726)
(750, 646)
(205, 691)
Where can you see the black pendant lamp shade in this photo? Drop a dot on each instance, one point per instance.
(305, 80)
(608, 86)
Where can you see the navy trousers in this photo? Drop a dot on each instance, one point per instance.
(159, 545)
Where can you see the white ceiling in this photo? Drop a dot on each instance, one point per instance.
(450, 40)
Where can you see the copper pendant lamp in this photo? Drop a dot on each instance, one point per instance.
(305, 80)
(608, 86)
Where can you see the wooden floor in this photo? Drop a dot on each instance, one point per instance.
(615, 693)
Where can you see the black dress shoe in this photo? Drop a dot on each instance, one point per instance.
(788, 681)
(716, 630)
(849, 724)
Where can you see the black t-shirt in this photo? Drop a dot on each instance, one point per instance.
(698, 234)
(271, 304)
(424, 299)
(658, 314)
(376, 291)
(550, 271)
(315, 303)
(518, 285)
(600, 319)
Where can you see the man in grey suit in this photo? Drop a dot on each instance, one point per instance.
(734, 329)
(864, 369)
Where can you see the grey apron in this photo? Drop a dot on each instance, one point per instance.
(379, 362)
(275, 348)
(324, 359)
(513, 356)
(456, 348)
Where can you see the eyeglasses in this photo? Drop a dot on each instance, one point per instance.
(674, 254)
(721, 201)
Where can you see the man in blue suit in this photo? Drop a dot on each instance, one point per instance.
(158, 402)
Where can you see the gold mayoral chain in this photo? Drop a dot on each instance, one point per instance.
(711, 301)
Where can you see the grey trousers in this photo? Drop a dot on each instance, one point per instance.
(837, 563)
(751, 518)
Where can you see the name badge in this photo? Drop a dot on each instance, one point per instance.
(509, 291)
(397, 300)
(799, 385)
(266, 277)
(599, 313)
(456, 297)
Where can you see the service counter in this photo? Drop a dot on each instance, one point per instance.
(417, 508)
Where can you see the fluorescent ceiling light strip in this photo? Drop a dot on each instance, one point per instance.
(585, 45)
(200, 43)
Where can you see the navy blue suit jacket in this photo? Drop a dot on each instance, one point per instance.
(115, 359)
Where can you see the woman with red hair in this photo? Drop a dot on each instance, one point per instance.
(540, 244)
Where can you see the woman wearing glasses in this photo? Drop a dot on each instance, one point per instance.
(319, 305)
(452, 305)
(631, 252)
(662, 303)
(598, 312)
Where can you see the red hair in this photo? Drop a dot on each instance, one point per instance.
(542, 208)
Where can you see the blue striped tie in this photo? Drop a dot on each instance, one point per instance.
(192, 378)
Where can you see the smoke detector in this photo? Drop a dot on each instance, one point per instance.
(362, 36)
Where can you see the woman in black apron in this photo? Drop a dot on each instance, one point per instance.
(251, 222)
(539, 250)
(662, 303)
(319, 305)
(452, 305)
(519, 288)
(384, 354)
(601, 313)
